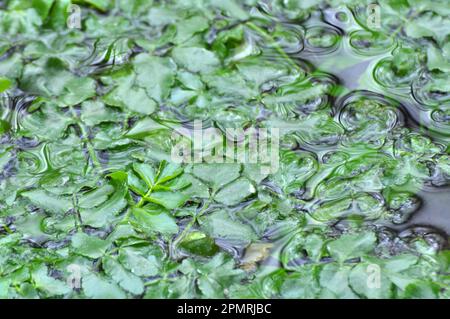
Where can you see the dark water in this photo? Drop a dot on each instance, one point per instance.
(434, 211)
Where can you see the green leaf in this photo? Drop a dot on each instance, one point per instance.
(213, 276)
(370, 281)
(422, 290)
(351, 245)
(230, 84)
(300, 285)
(133, 98)
(155, 221)
(76, 90)
(89, 246)
(196, 187)
(220, 225)
(59, 14)
(217, 175)
(168, 199)
(196, 59)
(235, 192)
(436, 61)
(48, 201)
(43, 7)
(138, 264)
(120, 275)
(188, 27)
(98, 287)
(106, 212)
(50, 78)
(146, 172)
(145, 127)
(154, 74)
(334, 279)
(50, 285)
(232, 8)
(169, 171)
(95, 197)
(46, 123)
(200, 244)
(95, 112)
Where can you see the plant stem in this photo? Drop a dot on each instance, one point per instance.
(138, 205)
(142, 200)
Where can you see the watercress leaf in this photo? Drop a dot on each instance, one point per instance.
(169, 171)
(98, 287)
(196, 188)
(58, 14)
(217, 175)
(47, 123)
(436, 60)
(121, 276)
(106, 212)
(138, 264)
(154, 221)
(220, 225)
(168, 199)
(98, 4)
(422, 290)
(351, 245)
(89, 246)
(145, 127)
(334, 279)
(133, 98)
(199, 243)
(76, 90)
(51, 286)
(235, 192)
(95, 112)
(146, 172)
(196, 59)
(95, 197)
(302, 284)
(230, 84)
(48, 201)
(368, 280)
(136, 184)
(188, 27)
(232, 8)
(42, 7)
(156, 75)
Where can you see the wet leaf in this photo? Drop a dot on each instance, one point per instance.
(98, 287)
(350, 246)
(124, 279)
(235, 192)
(49, 202)
(200, 244)
(89, 246)
(155, 221)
